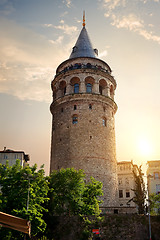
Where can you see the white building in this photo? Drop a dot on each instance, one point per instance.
(153, 176)
(11, 156)
(126, 183)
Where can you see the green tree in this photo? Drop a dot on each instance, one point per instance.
(154, 200)
(71, 197)
(23, 193)
(92, 191)
(65, 191)
(139, 191)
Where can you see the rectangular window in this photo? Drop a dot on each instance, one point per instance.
(157, 188)
(156, 175)
(75, 107)
(120, 181)
(120, 193)
(74, 119)
(127, 194)
(127, 181)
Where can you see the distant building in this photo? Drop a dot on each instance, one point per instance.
(126, 183)
(153, 176)
(11, 156)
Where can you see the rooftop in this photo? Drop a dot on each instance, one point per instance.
(83, 46)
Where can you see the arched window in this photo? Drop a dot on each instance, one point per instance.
(89, 88)
(76, 88)
(102, 86)
(74, 119)
(62, 86)
(89, 65)
(100, 89)
(112, 91)
(64, 90)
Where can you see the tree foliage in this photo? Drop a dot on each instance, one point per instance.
(139, 190)
(27, 193)
(21, 187)
(154, 200)
(70, 195)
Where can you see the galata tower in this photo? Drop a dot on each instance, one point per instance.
(83, 108)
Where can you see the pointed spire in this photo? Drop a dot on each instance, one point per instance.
(83, 46)
(84, 23)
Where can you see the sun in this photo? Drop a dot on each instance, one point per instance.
(145, 147)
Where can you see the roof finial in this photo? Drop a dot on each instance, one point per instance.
(84, 19)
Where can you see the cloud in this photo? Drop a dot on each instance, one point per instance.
(130, 22)
(134, 24)
(57, 41)
(27, 82)
(69, 30)
(149, 35)
(64, 14)
(123, 14)
(47, 25)
(102, 54)
(28, 61)
(67, 3)
(112, 4)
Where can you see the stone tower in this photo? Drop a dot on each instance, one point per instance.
(83, 108)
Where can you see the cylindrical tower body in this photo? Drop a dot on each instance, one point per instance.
(83, 129)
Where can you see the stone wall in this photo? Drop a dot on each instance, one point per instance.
(83, 129)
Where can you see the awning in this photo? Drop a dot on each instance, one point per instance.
(15, 223)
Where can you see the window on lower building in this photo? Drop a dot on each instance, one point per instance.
(16, 156)
(127, 181)
(75, 119)
(156, 175)
(120, 193)
(75, 107)
(115, 211)
(120, 181)
(127, 194)
(157, 188)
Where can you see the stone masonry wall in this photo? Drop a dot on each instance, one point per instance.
(88, 144)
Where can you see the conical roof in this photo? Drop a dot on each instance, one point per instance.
(83, 46)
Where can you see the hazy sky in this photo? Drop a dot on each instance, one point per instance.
(37, 35)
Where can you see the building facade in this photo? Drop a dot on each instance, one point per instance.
(11, 156)
(83, 109)
(126, 183)
(153, 176)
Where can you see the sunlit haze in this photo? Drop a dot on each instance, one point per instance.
(37, 35)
